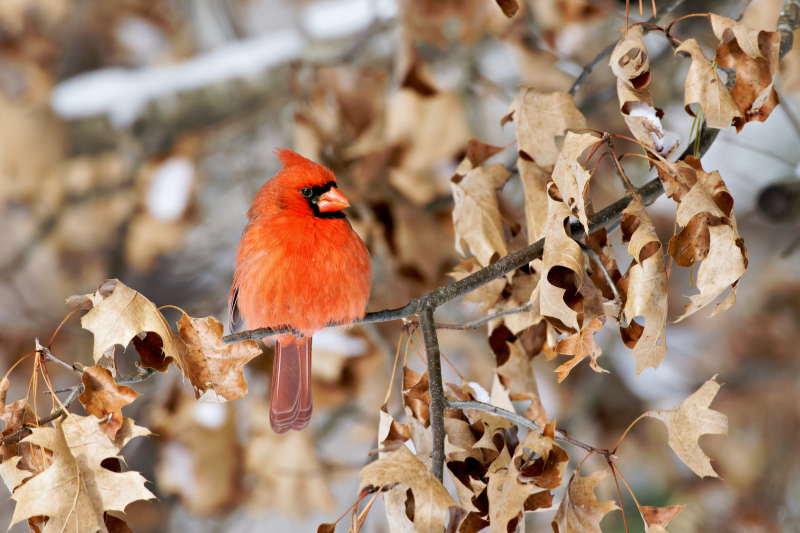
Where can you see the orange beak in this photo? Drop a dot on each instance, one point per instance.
(332, 201)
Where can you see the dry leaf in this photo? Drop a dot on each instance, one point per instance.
(534, 181)
(538, 466)
(476, 216)
(580, 511)
(430, 497)
(689, 421)
(644, 120)
(570, 177)
(630, 61)
(539, 118)
(677, 178)
(598, 241)
(657, 518)
(581, 345)
(75, 490)
(120, 316)
(509, 7)
(646, 288)
(104, 398)
(517, 378)
(754, 54)
(703, 86)
(563, 270)
(709, 234)
(215, 369)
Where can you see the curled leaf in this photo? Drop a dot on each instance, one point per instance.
(657, 518)
(703, 86)
(630, 61)
(570, 177)
(581, 345)
(647, 289)
(563, 270)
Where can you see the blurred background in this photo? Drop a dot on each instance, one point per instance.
(134, 134)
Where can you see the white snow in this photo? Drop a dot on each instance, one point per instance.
(123, 93)
(338, 18)
(210, 415)
(333, 340)
(170, 189)
(668, 139)
(481, 394)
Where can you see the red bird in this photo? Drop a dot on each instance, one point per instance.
(299, 264)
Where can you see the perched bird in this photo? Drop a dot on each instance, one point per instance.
(299, 265)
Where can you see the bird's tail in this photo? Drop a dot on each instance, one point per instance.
(291, 403)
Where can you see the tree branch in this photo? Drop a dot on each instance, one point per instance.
(438, 400)
(522, 421)
(610, 48)
(142, 375)
(475, 324)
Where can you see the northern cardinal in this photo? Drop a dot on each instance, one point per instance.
(299, 264)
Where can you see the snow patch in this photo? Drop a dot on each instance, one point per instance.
(668, 140)
(338, 18)
(481, 394)
(170, 189)
(210, 415)
(122, 93)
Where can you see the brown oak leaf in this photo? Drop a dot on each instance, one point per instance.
(213, 367)
(703, 86)
(630, 61)
(539, 118)
(570, 177)
(691, 419)
(563, 270)
(581, 345)
(104, 398)
(76, 490)
(476, 215)
(430, 497)
(646, 289)
(656, 519)
(580, 511)
(754, 54)
(119, 313)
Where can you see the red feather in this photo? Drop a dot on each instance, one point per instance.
(299, 268)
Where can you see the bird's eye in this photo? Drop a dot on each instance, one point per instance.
(306, 192)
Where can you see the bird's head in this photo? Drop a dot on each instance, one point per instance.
(307, 188)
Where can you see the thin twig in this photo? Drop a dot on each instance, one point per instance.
(438, 400)
(610, 48)
(48, 355)
(617, 297)
(142, 375)
(475, 324)
(522, 421)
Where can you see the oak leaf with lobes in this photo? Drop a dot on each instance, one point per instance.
(580, 511)
(539, 118)
(75, 491)
(430, 497)
(690, 420)
(104, 398)
(570, 177)
(119, 313)
(213, 367)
